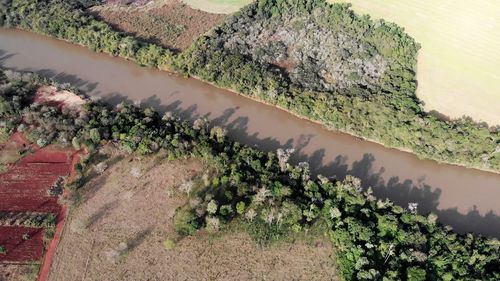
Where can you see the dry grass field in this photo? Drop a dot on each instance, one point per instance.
(18, 272)
(458, 71)
(123, 230)
(170, 23)
(218, 6)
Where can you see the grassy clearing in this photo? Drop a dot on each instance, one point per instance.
(123, 229)
(458, 64)
(218, 6)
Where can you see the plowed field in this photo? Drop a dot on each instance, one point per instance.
(24, 189)
(23, 244)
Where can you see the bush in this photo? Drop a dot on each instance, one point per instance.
(169, 244)
(185, 222)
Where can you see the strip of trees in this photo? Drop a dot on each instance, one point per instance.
(374, 239)
(365, 87)
(68, 21)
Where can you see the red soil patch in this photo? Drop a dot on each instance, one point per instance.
(18, 248)
(44, 156)
(24, 188)
(17, 140)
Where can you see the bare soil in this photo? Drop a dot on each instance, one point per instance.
(23, 244)
(24, 185)
(126, 214)
(170, 23)
(62, 99)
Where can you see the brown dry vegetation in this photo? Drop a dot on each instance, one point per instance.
(9, 155)
(9, 149)
(118, 231)
(18, 272)
(170, 23)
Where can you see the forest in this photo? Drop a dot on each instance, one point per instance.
(350, 73)
(316, 60)
(373, 238)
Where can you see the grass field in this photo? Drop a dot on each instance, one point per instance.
(218, 6)
(458, 69)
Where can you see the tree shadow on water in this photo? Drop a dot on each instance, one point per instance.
(404, 191)
(4, 56)
(60, 77)
(401, 191)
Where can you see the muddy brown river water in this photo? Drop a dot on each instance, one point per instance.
(467, 199)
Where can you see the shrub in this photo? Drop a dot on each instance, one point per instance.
(185, 222)
(100, 167)
(169, 244)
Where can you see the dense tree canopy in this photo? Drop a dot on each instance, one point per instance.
(321, 47)
(374, 239)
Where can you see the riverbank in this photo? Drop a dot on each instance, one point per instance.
(467, 143)
(270, 196)
(462, 197)
(400, 149)
(292, 112)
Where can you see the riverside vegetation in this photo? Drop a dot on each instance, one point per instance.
(314, 59)
(374, 239)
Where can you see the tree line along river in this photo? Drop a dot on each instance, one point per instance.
(466, 199)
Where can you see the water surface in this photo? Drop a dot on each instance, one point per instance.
(465, 198)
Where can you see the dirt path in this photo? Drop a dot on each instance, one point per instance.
(51, 249)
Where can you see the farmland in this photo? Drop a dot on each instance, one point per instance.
(26, 203)
(458, 64)
(218, 6)
(31, 182)
(18, 248)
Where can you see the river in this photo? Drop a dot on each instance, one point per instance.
(467, 199)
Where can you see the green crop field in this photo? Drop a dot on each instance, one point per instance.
(217, 6)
